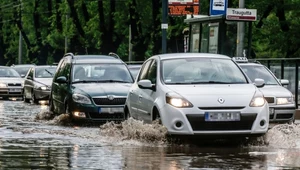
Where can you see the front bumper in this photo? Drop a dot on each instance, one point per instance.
(97, 113)
(11, 92)
(282, 114)
(193, 122)
(42, 94)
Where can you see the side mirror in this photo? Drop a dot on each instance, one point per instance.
(284, 82)
(146, 84)
(29, 77)
(61, 79)
(259, 83)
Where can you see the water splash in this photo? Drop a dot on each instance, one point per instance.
(135, 130)
(283, 136)
(50, 118)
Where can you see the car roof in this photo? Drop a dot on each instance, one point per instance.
(96, 59)
(250, 64)
(22, 65)
(190, 55)
(5, 67)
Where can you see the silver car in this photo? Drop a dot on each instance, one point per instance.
(280, 99)
(11, 84)
(22, 69)
(198, 94)
(37, 84)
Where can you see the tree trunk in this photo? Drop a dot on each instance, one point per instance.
(74, 15)
(156, 37)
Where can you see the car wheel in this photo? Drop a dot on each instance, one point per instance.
(51, 107)
(127, 113)
(25, 99)
(33, 99)
(156, 116)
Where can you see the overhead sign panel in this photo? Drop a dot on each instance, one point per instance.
(218, 7)
(241, 14)
(183, 7)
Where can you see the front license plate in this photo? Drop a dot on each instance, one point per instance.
(15, 90)
(222, 116)
(111, 110)
(271, 111)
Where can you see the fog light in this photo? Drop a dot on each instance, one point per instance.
(178, 124)
(79, 114)
(262, 123)
(43, 102)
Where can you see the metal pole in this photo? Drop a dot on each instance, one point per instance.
(20, 38)
(66, 37)
(250, 39)
(240, 33)
(130, 45)
(164, 25)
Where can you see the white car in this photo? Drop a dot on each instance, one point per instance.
(279, 98)
(198, 94)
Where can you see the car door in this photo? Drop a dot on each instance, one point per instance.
(28, 83)
(56, 96)
(134, 93)
(147, 96)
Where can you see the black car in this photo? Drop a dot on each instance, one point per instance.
(90, 87)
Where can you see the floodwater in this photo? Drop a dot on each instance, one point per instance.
(31, 139)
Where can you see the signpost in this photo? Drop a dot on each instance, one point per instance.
(241, 14)
(183, 7)
(218, 7)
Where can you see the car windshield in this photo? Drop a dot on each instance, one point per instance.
(101, 73)
(261, 72)
(22, 70)
(8, 72)
(201, 71)
(134, 71)
(44, 72)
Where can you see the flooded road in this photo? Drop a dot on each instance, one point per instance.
(29, 139)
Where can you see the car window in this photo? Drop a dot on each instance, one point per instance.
(152, 73)
(144, 70)
(201, 70)
(60, 69)
(31, 72)
(22, 70)
(258, 71)
(101, 72)
(44, 72)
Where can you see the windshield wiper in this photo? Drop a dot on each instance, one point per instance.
(49, 72)
(113, 81)
(213, 82)
(82, 81)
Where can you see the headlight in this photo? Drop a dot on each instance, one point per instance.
(177, 100)
(284, 100)
(43, 88)
(2, 85)
(79, 98)
(257, 102)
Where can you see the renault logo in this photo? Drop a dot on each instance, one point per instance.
(110, 97)
(221, 100)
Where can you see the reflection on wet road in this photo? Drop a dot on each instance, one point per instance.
(30, 143)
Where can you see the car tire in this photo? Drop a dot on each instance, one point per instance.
(127, 113)
(156, 116)
(25, 99)
(51, 107)
(33, 99)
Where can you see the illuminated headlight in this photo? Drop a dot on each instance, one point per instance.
(177, 101)
(284, 100)
(79, 98)
(257, 102)
(43, 88)
(2, 85)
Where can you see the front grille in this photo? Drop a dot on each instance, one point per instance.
(198, 123)
(284, 116)
(106, 116)
(15, 92)
(106, 101)
(14, 84)
(271, 116)
(222, 108)
(270, 99)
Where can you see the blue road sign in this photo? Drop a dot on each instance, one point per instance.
(218, 7)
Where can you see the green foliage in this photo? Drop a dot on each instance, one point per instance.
(46, 24)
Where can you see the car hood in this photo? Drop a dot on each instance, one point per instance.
(208, 95)
(275, 90)
(11, 80)
(104, 89)
(44, 81)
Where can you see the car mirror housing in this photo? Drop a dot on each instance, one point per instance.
(146, 84)
(61, 79)
(259, 82)
(284, 82)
